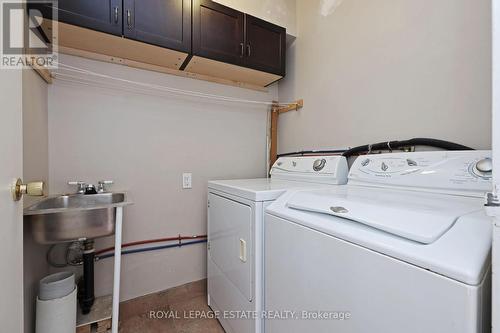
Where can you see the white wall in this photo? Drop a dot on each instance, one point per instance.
(389, 69)
(279, 12)
(144, 143)
(35, 168)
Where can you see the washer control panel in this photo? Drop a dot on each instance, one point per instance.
(449, 171)
(322, 169)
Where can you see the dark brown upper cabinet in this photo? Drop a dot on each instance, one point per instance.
(100, 15)
(218, 32)
(165, 23)
(227, 35)
(201, 37)
(265, 46)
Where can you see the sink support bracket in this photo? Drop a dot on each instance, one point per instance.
(117, 269)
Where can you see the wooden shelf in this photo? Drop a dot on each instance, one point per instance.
(100, 46)
(73, 37)
(226, 71)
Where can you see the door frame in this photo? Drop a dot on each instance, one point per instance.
(11, 228)
(496, 162)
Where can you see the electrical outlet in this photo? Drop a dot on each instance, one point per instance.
(187, 180)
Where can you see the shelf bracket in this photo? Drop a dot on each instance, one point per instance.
(44, 73)
(291, 107)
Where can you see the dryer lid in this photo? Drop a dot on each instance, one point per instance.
(419, 217)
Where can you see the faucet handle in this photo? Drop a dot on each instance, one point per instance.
(80, 184)
(101, 185)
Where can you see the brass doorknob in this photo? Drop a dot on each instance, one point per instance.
(34, 189)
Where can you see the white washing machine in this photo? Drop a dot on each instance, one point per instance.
(235, 215)
(404, 247)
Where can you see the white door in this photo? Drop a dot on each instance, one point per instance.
(11, 221)
(230, 240)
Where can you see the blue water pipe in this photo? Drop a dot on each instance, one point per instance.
(153, 248)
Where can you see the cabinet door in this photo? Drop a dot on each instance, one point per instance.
(218, 32)
(265, 46)
(100, 15)
(165, 23)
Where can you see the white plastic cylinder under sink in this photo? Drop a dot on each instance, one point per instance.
(57, 315)
(56, 304)
(56, 286)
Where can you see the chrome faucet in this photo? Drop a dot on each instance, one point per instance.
(84, 188)
(81, 186)
(101, 185)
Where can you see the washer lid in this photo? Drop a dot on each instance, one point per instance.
(420, 217)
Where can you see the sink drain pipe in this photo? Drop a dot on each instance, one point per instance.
(87, 291)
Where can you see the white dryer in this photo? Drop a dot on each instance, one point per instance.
(235, 216)
(404, 247)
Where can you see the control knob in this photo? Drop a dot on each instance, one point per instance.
(484, 167)
(319, 164)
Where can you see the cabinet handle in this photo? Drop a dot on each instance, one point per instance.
(242, 54)
(129, 19)
(116, 15)
(249, 50)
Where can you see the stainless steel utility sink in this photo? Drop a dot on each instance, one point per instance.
(67, 218)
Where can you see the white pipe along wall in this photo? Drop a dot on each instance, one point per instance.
(145, 143)
(372, 71)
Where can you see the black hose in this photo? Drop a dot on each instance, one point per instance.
(389, 145)
(307, 152)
